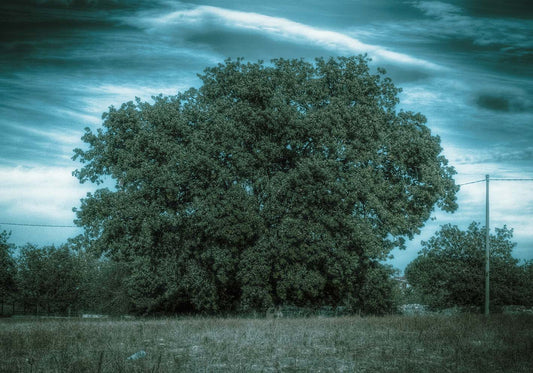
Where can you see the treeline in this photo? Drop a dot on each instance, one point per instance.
(449, 271)
(67, 280)
(59, 281)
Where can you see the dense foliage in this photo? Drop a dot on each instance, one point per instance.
(280, 183)
(7, 267)
(60, 280)
(47, 278)
(102, 287)
(450, 269)
(66, 280)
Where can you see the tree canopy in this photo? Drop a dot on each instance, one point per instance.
(272, 183)
(450, 269)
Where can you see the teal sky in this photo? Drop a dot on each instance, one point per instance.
(465, 64)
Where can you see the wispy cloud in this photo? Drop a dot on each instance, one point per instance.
(438, 9)
(278, 28)
(450, 21)
(86, 3)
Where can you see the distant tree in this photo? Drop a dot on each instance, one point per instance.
(280, 183)
(48, 277)
(102, 288)
(450, 268)
(380, 292)
(7, 267)
(527, 282)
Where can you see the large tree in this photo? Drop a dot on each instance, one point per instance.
(271, 184)
(450, 269)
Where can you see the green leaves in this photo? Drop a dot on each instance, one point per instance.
(48, 277)
(282, 170)
(7, 266)
(450, 268)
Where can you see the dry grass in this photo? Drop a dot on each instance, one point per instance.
(466, 343)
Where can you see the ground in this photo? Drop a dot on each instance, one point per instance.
(461, 343)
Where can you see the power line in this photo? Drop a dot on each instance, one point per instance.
(472, 182)
(511, 179)
(497, 179)
(40, 225)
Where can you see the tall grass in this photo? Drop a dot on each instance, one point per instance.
(465, 343)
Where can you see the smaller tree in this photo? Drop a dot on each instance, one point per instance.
(102, 288)
(524, 278)
(7, 267)
(48, 277)
(379, 294)
(450, 268)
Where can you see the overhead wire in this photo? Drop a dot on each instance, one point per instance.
(39, 225)
(495, 179)
(471, 182)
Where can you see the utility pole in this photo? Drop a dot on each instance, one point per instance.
(487, 233)
(487, 247)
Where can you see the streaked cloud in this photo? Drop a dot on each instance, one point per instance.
(278, 28)
(438, 9)
(496, 8)
(113, 4)
(450, 21)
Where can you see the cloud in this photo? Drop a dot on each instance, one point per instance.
(515, 155)
(100, 97)
(282, 29)
(497, 8)
(438, 9)
(39, 195)
(450, 21)
(502, 100)
(101, 4)
(493, 102)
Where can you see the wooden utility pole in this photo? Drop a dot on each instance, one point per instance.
(487, 247)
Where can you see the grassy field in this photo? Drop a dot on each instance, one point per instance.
(465, 343)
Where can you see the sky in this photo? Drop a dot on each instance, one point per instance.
(467, 65)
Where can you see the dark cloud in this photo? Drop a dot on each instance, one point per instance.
(502, 102)
(81, 4)
(496, 103)
(497, 8)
